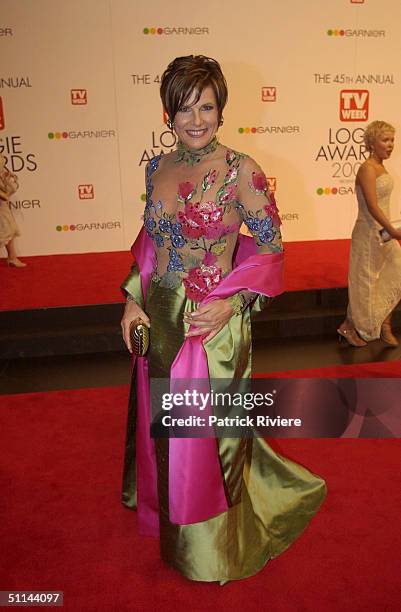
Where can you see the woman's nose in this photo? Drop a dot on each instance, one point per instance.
(196, 117)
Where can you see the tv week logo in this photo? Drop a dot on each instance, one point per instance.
(86, 192)
(354, 105)
(2, 119)
(271, 183)
(79, 96)
(269, 94)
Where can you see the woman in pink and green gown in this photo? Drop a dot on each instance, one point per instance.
(221, 507)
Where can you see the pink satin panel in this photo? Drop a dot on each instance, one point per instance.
(145, 256)
(148, 504)
(196, 460)
(196, 485)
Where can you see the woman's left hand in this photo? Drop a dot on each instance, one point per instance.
(209, 319)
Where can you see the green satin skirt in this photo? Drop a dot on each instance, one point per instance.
(276, 497)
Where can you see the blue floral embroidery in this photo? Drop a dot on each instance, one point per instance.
(177, 228)
(165, 226)
(253, 224)
(151, 168)
(149, 222)
(154, 163)
(150, 225)
(177, 241)
(258, 225)
(266, 237)
(158, 240)
(262, 229)
(175, 264)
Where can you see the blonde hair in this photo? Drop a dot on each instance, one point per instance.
(374, 130)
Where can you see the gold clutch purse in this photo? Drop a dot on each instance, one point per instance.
(139, 335)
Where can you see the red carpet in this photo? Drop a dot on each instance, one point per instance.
(94, 278)
(380, 369)
(63, 527)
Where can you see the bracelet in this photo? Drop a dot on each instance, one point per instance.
(130, 298)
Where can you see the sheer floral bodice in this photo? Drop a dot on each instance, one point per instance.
(193, 214)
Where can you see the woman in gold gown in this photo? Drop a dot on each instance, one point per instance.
(374, 278)
(222, 508)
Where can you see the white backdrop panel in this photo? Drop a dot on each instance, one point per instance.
(81, 187)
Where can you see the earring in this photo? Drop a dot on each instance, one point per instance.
(221, 121)
(170, 124)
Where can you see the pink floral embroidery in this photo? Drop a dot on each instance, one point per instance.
(230, 156)
(272, 211)
(215, 231)
(202, 219)
(209, 259)
(209, 180)
(201, 281)
(231, 174)
(230, 229)
(259, 182)
(185, 190)
(229, 194)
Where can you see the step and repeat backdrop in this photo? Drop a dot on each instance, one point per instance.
(80, 113)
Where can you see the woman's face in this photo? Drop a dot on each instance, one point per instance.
(196, 124)
(384, 144)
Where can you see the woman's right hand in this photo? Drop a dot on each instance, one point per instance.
(131, 312)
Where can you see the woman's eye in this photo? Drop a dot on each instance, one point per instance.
(184, 109)
(208, 107)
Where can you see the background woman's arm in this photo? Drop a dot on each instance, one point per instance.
(367, 180)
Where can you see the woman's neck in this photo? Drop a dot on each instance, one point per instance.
(191, 157)
(375, 159)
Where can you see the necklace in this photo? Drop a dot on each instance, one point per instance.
(191, 157)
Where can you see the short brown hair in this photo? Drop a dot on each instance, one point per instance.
(374, 130)
(190, 73)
